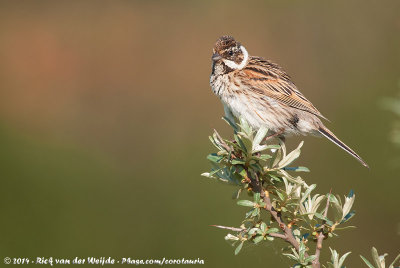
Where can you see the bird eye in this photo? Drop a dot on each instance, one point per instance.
(230, 52)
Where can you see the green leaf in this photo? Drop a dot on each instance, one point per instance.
(262, 157)
(247, 142)
(215, 143)
(310, 259)
(245, 125)
(213, 172)
(258, 239)
(351, 193)
(367, 262)
(215, 158)
(375, 257)
(255, 212)
(264, 147)
(394, 262)
(265, 156)
(276, 158)
(252, 231)
(333, 199)
(322, 217)
(250, 213)
(348, 216)
(281, 194)
(233, 145)
(261, 133)
(245, 203)
(256, 198)
(274, 146)
(256, 167)
(307, 193)
(263, 227)
(272, 230)
(237, 250)
(337, 207)
(291, 256)
(302, 250)
(231, 123)
(207, 175)
(238, 162)
(297, 169)
(276, 178)
(240, 143)
(291, 156)
(341, 260)
(241, 171)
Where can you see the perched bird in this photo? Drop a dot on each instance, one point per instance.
(262, 93)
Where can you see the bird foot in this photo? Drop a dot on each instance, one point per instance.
(277, 134)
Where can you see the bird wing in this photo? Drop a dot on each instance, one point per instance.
(268, 79)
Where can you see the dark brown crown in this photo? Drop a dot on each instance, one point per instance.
(225, 42)
(228, 48)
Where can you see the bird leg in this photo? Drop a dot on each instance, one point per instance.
(279, 134)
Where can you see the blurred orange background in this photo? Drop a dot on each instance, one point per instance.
(106, 108)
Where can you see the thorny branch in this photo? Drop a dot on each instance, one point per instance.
(288, 234)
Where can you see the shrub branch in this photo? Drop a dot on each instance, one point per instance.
(316, 263)
(288, 234)
(263, 171)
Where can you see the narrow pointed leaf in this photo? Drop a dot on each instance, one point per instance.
(375, 257)
(310, 259)
(307, 193)
(394, 262)
(287, 160)
(245, 125)
(297, 169)
(348, 216)
(238, 162)
(272, 230)
(258, 239)
(261, 133)
(341, 260)
(240, 142)
(231, 123)
(367, 262)
(215, 158)
(245, 203)
(238, 248)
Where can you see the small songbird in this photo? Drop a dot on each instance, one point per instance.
(262, 93)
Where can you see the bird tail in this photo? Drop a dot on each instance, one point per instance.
(328, 134)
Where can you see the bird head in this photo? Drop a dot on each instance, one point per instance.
(229, 52)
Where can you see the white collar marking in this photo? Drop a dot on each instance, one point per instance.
(234, 65)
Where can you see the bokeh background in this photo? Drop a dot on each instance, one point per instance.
(105, 112)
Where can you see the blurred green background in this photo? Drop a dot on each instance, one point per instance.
(106, 108)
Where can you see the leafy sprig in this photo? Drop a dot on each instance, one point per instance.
(282, 204)
(379, 260)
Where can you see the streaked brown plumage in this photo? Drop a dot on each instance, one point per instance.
(264, 94)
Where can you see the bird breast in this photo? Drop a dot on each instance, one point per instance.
(259, 110)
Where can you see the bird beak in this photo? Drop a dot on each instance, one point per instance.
(216, 57)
